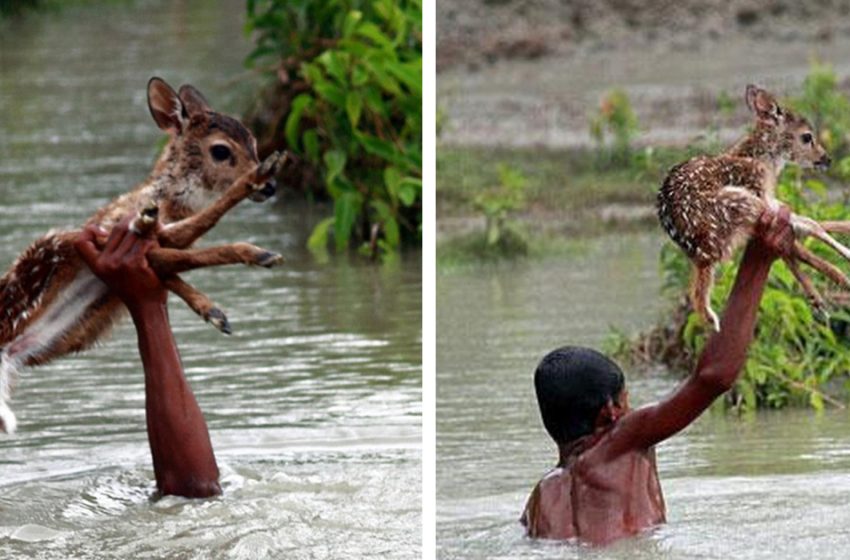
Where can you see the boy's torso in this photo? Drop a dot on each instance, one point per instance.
(596, 501)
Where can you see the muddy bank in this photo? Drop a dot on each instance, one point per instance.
(478, 32)
(673, 65)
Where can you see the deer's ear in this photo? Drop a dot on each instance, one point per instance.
(165, 106)
(193, 101)
(763, 104)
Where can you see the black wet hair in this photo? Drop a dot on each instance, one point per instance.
(572, 385)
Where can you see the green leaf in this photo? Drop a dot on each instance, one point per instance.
(334, 164)
(311, 145)
(346, 208)
(331, 93)
(352, 19)
(301, 103)
(353, 106)
(319, 238)
(372, 32)
(409, 191)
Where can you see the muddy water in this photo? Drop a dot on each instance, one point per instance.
(313, 404)
(769, 486)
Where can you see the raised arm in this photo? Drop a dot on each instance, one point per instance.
(183, 459)
(725, 352)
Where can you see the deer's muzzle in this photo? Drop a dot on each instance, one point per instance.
(266, 192)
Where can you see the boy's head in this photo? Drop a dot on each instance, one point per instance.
(573, 386)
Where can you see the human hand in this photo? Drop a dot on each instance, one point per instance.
(122, 263)
(773, 235)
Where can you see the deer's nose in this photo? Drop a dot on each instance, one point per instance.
(269, 189)
(824, 162)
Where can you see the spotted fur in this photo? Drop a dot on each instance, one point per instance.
(708, 205)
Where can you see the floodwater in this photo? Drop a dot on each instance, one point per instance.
(313, 404)
(772, 485)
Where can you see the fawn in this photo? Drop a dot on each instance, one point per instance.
(53, 305)
(709, 204)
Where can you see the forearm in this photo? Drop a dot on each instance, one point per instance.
(726, 351)
(184, 463)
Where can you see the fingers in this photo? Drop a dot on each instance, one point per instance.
(119, 232)
(85, 246)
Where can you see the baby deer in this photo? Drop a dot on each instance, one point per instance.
(709, 204)
(52, 305)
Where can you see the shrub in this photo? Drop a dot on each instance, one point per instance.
(617, 119)
(348, 100)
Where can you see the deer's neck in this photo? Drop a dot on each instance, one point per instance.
(762, 145)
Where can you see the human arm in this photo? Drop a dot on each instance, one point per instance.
(725, 353)
(183, 459)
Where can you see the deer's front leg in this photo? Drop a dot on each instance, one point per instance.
(185, 232)
(830, 270)
(198, 302)
(166, 261)
(812, 294)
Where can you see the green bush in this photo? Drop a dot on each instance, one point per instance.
(498, 202)
(348, 101)
(615, 118)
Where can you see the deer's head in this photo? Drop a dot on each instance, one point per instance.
(784, 135)
(207, 151)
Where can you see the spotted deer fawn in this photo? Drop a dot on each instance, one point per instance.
(52, 305)
(710, 204)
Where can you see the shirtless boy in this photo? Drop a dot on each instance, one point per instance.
(605, 485)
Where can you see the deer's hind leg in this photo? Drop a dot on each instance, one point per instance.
(198, 302)
(173, 261)
(815, 299)
(702, 280)
(830, 270)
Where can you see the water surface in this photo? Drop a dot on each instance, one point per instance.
(774, 485)
(313, 404)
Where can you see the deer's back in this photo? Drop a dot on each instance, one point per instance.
(705, 202)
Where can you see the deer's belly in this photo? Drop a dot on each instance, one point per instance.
(44, 336)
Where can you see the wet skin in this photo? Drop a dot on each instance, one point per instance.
(605, 486)
(183, 459)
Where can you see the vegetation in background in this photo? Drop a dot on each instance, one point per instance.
(496, 204)
(347, 100)
(613, 128)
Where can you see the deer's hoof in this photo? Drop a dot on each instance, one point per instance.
(269, 259)
(218, 319)
(270, 165)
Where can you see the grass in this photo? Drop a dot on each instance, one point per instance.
(559, 181)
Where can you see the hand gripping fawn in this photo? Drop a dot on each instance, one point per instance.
(52, 305)
(709, 205)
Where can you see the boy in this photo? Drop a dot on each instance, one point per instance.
(605, 486)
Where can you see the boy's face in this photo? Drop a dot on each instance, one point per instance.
(623, 400)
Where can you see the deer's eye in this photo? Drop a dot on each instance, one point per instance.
(220, 153)
(806, 137)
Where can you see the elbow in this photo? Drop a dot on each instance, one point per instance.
(718, 380)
